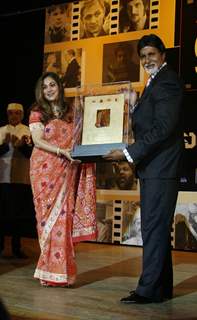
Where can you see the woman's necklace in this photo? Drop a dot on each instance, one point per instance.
(56, 111)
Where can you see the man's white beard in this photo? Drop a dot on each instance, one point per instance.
(152, 70)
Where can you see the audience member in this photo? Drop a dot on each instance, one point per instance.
(15, 192)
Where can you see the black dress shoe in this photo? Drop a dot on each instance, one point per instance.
(137, 299)
(168, 296)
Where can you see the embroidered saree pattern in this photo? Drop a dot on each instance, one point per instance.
(61, 217)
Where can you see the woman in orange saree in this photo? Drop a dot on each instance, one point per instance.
(63, 189)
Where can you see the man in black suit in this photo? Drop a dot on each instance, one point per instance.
(156, 153)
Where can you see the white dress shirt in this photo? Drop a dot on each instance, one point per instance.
(14, 169)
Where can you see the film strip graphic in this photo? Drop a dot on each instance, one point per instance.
(154, 14)
(117, 224)
(113, 17)
(172, 234)
(75, 21)
(76, 17)
(117, 221)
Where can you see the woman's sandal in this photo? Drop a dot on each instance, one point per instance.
(46, 284)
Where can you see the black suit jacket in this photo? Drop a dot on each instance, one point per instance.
(157, 127)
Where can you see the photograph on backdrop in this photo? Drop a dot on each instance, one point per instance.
(185, 219)
(186, 226)
(188, 181)
(52, 62)
(134, 15)
(189, 167)
(121, 62)
(130, 227)
(71, 67)
(116, 176)
(58, 23)
(104, 217)
(94, 18)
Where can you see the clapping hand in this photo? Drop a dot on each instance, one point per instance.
(26, 140)
(7, 138)
(15, 141)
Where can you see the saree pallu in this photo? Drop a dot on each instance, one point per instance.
(65, 202)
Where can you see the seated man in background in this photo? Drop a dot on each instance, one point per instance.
(15, 192)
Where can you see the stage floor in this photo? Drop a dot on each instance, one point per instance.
(105, 274)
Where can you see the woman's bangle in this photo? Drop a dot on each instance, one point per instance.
(58, 151)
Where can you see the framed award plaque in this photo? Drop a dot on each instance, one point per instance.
(101, 120)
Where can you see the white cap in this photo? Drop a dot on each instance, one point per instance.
(15, 106)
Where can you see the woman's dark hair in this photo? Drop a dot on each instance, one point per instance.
(151, 40)
(43, 105)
